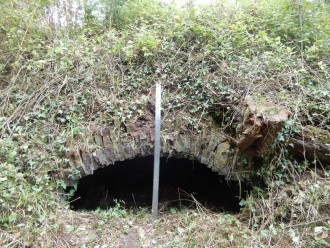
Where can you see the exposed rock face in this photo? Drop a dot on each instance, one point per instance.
(261, 123)
(312, 144)
(263, 120)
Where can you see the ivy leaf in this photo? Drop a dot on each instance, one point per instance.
(12, 217)
(69, 228)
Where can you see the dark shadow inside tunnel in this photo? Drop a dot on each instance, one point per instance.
(183, 184)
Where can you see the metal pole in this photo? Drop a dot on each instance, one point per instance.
(156, 152)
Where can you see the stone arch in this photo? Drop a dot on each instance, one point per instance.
(209, 147)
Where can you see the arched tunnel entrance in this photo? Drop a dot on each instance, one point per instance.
(183, 183)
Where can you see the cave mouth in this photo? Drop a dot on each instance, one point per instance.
(183, 184)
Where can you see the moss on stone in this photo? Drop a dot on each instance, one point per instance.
(318, 133)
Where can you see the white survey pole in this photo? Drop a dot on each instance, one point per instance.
(156, 152)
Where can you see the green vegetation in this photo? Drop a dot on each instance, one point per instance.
(65, 71)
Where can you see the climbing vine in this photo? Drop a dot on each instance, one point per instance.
(68, 68)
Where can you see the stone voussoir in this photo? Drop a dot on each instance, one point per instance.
(206, 147)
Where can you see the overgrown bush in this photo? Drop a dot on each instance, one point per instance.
(65, 71)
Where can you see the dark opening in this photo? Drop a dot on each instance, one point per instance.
(182, 184)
